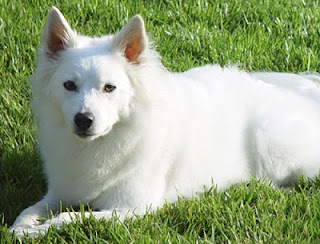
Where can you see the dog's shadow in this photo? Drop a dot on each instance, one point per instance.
(22, 182)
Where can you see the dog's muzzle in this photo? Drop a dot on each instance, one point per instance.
(83, 124)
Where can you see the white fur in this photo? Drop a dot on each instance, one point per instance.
(160, 134)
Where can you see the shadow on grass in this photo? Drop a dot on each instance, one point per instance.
(22, 182)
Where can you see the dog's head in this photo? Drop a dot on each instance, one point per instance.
(87, 78)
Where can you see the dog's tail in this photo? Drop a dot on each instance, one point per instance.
(311, 89)
(313, 76)
(305, 84)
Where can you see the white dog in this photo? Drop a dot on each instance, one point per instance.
(119, 131)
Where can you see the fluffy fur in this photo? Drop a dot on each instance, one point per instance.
(159, 134)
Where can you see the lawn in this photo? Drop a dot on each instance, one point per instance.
(255, 35)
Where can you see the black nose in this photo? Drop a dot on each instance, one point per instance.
(83, 121)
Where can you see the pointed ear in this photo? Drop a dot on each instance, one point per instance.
(57, 34)
(131, 40)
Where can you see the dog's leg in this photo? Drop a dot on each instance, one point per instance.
(68, 217)
(287, 148)
(29, 218)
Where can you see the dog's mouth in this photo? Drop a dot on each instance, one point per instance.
(88, 135)
(83, 134)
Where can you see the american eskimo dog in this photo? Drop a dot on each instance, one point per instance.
(119, 131)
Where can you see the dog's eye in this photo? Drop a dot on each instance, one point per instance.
(70, 85)
(109, 88)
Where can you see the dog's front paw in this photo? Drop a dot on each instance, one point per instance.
(29, 226)
(21, 232)
(35, 231)
(24, 224)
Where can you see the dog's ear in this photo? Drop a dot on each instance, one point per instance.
(57, 34)
(131, 40)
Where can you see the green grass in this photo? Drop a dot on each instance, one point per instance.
(256, 35)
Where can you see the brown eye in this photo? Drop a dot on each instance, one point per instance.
(109, 88)
(70, 85)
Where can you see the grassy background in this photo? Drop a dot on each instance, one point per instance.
(257, 35)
